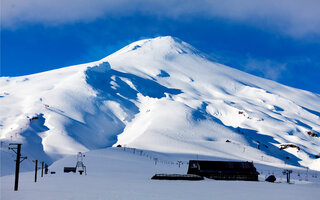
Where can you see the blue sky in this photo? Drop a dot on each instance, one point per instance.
(278, 40)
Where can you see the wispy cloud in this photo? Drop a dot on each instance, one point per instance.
(267, 68)
(293, 17)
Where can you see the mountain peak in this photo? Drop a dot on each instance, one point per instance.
(160, 46)
(169, 40)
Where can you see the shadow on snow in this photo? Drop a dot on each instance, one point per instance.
(264, 142)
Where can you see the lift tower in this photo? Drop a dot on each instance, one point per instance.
(80, 166)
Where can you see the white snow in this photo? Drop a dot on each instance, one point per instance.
(163, 95)
(117, 174)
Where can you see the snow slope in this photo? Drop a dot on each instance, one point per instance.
(117, 174)
(163, 95)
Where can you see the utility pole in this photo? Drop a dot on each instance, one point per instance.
(42, 168)
(35, 170)
(18, 161)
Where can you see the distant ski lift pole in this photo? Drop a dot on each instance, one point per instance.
(46, 168)
(155, 161)
(35, 170)
(287, 172)
(42, 163)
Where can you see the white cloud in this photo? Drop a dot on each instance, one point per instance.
(294, 17)
(268, 68)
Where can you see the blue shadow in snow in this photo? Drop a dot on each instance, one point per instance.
(163, 74)
(146, 87)
(254, 139)
(312, 111)
(200, 113)
(34, 141)
(102, 82)
(135, 47)
(300, 123)
(278, 109)
(112, 85)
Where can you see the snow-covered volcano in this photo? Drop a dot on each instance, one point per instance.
(162, 95)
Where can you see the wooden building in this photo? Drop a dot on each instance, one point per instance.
(224, 170)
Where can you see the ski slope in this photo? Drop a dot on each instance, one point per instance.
(160, 95)
(118, 173)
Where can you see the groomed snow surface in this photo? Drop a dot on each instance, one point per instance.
(158, 95)
(118, 173)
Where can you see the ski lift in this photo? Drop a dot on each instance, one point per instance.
(80, 166)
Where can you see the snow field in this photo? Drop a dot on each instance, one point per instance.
(117, 174)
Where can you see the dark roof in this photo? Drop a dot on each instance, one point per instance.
(191, 177)
(227, 170)
(223, 165)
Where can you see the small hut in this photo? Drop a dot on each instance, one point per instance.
(224, 170)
